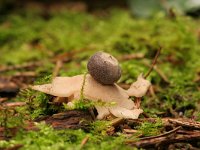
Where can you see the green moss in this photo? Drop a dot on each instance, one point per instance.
(10, 118)
(47, 138)
(38, 104)
(150, 128)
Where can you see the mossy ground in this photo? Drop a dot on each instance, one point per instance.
(26, 36)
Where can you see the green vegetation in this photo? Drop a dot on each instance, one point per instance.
(26, 36)
(47, 138)
(150, 129)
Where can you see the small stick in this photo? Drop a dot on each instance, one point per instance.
(15, 147)
(137, 102)
(160, 73)
(17, 67)
(145, 115)
(57, 68)
(84, 141)
(131, 56)
(14, 104)
(25, 74)
(153, 63)
(91, 111)
(152, 92)
(157, 136)
(130, 131)
(186, 123)
(3, 100)
(138, 99)
(164, 134)
(116, 122)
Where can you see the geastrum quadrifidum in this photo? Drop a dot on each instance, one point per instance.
(100, 84)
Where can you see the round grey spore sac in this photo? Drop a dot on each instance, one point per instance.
(104, 68)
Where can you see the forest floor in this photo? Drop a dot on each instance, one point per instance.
(36, 45)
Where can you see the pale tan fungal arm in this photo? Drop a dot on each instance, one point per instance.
(70, 87)
(125, 113)
(61, 86)
(139, 88)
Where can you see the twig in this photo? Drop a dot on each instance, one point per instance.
(164, 140)
(131, 56)
(152, 92)
(14, 104)
(137, 102)
(57, 68)
(15, 147)
(16, 67)
(164, 134)
(139, 121)
(116, 122)
(145, 115)
(157, 136)
(3, 99)
(160, 73)
(130, 131)
(124, 85)
(186, 123)
(174, 113)
(186, 132)
(153, 63)
(91, 111)
(138, 99)
(25, 74)
(84, 141)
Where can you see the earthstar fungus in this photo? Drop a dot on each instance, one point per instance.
(124, 107)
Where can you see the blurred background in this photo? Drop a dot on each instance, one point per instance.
(137, 7)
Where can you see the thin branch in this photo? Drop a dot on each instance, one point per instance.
(84, 141)
(159, 72)
(186, 123)
(157, 136)
(153, 63)
(164, 134)
(131, 56)
(116, 122)
(3, 99)
(166, 140)
(22, 66)
(57, 68)
(14, 104)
